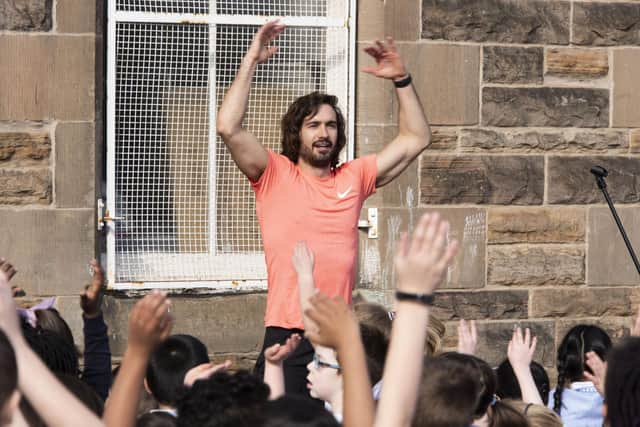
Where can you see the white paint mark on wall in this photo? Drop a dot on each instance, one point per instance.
(370, 265)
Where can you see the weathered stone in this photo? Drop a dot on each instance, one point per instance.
(371, 18)
(505, 64)
(25, 186)
(577, 63)
(75, 171)
(581, 302)
(536, 225)
(75, 16)
(50, 248)
(481, 305)
(402, 19)
(24, 148)
(616, 327)
(64, 92)
(376, 269)
(608, 261)
(25, 15)
(545, 106)
(443, 139)
(626, 90)
(570, 180)
(606, 24)
(634, 143)
(402, 191)
(446, 80)
(494, 337)
(234, 323)
(531, 141)
(521, 265)
(500, 180)
(504, 21)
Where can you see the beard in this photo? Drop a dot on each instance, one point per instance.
(315, 159)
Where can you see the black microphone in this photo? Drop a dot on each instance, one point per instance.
(599, 171)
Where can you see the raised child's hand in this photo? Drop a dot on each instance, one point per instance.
(521, 348)
(277, 353)
(204, 371)
(9, 321)
(150, 322)
(467, 337)
(599, 369)
(336, 324)
(91, 297)
(303, 259)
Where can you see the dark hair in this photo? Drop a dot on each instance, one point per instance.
(9, 369)
(501, 414)
(508, 387)
(375, 347)
(622, 387)
(296, 411)
(170, 362)
(580, 340)
(50, 319)
(157, 419)
(448, 394)
(55, 352)
(223, 400)
(291, 124)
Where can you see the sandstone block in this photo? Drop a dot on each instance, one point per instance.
(402, 191)
(25, 186)
(50, 248)
(519, 265)
(19, 149)
(536, 225)
(75, 159)
(482, 179)
(570, 181)
(376, 269)
(76, 16)
(545, 106)
(505, 64)
(608, 260)
(626, 91)
(616, 327)
(374, 97)
(446, 79)
(371, 18)
(634, 143)
(581, 302)
(577, 63)
(606, 24)
(25, 15)
(481, 305)
(64, 92)
(530, 141)
(402, 19)
(226, 324)
(443, 139)
(503, 21)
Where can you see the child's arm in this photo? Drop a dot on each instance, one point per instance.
(274, 356)
(520, 353)
(467, 337)
(421, 264)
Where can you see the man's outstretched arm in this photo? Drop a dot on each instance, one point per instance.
(250, 156)
(414, 134)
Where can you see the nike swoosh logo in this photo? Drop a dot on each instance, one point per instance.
(344, 194)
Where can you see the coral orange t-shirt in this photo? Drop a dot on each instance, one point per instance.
(323, 212)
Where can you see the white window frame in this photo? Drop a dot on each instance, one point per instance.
(114, 16)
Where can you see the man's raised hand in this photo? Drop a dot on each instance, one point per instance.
(389, 64)
(422, 260)
(261, 50)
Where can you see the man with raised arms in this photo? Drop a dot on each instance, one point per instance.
(303, 194)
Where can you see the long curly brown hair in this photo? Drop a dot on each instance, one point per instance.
(291, 124)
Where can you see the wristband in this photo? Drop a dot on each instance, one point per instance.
(403, 83)
(426, 299)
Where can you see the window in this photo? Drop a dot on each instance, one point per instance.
(185, 215)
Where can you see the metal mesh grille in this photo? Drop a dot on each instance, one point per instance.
(163, 6)
(189, 213)
(272, 8)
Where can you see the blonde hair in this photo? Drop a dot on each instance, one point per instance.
(537, 415)
(435, 333)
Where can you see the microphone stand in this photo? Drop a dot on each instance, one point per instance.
(600, 173)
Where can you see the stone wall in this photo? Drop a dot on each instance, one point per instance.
(523, 96)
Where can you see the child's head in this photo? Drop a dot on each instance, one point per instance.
(51, 320)
(224, 399)
(537, 415)
(622, 385)
(435, 332)
(508, 387)
(375, 348)
(448, 394)
(325, 377)
(170, 362)
(571, 362)
(295, 411)
(9, 395)
(374, 316)
(56, 352)
(157, 419)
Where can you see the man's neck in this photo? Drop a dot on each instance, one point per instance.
(308, 169)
